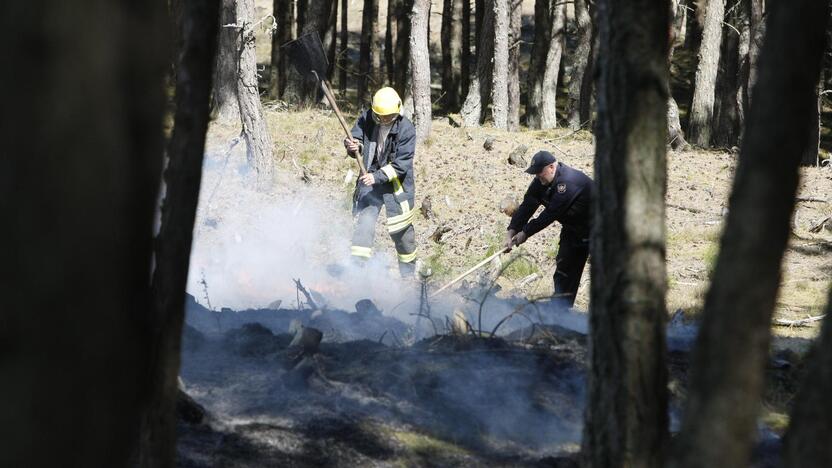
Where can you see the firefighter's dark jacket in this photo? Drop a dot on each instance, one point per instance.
(396, 160)
(567, 200)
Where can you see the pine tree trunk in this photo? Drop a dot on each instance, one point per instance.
(537, 61)
(467, 57)
(450, 54)
(811, 417)
(810, 155)
(312, 16)
(514, 65)
(284, 17)
(420, 64)
(331, 39)
(588, 82)
(77, 197)
(726, 129)
(549, 94)
(731, 352)
(402, 58)
(676, 136)
(226, 107)
(627, 414)
(479, 92)
(302, 6)
(366, 56)
(756, 11)
(389, 40)
(342, 53)
(157, 447)
(702, 106)
(502, 13)
(580, 60)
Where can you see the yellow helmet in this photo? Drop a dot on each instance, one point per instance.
(386, 101)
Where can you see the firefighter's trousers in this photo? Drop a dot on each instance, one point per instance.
(573, 251)
(400, 213)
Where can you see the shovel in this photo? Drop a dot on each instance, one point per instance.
(306, 53)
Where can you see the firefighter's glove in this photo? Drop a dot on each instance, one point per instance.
(367, 179)
(519, 238)
(351, 146)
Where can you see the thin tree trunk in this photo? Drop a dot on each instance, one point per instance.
(756, 12)
(732, 347)
(811, 417)
(376, 49)
(420, 64)
(226, 107)
(627, 408)
(587, 84)
(331, 38)
(502, 13)
(284, 16)
(302, 6)
(467, 57)
(389, 34)
(726, 130)
(549, 92)
(479, 92)
(77, 199)
(450, 55)
(810, 155)
(255, 131)
(342, 53)
(702, 106)
(514, 65)
(402, 58)
(173, 244)
(537, 61)
(676, 136)
(580, 59)
(366, 57)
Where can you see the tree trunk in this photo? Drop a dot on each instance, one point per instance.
(225, 104)
(627, 416)
(450, 55)
(676, 136)
(580, 60)
(77, 198)
(342, 53)
(467, 57)
(732, 347)
(255, 131)
(726, 122)
(479, 93)
(389, 40)
(366, 57)
(331, 39)
(537, 60)
(302, 7)
(514, 65)
(549, 91)
(173, 244)
(702, 106)
(402, 58)
(756, 14)
(420, 64)
(499, 82)
(312, 17)
(284, 17)
(587, 84)
(811, 416)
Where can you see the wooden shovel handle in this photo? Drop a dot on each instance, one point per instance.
(331, 98)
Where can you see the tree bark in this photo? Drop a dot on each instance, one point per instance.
(514, 40)
(537, 60)
(284, 17)
(77, 199)
(702, 106)
(366, 58)
(676, 136)
(479, 93)
(342, 53)
(499, 81)
(732, 347)
(810, 155)
(331, 39)
(450, 55)
(588, 82)
(403, 47)
(255, 131)
(173, 243)
(756, 14)
(225, 103)
(727, 104)
(389, 40)
(420, 64)
(549, 92)
(811, 416)
(580, 60)
(467, 57)
(626, 419)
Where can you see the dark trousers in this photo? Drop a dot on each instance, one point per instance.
(573, 251)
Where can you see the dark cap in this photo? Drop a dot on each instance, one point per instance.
(540, 160)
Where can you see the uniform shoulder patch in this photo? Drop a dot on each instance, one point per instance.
(561, 188)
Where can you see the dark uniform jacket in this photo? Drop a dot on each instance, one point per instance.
(396, 159)
(567, 200)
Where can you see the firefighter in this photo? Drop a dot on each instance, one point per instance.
(387, 142)
(566, 194)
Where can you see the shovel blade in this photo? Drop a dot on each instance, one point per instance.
(306, 54)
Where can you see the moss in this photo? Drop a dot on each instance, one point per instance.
(424, 445)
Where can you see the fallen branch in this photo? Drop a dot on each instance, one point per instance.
(800, 322)
(688, 208)
(812, 199)
(817, 227)
(303, 290)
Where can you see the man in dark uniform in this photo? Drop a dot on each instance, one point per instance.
(566, 194)
(387, 141)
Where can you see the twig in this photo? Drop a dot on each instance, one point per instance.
(800, 322)
(812, 199)
(303, 290)
(688, 208)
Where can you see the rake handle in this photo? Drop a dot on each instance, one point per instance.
(331, 98)
(471, 270)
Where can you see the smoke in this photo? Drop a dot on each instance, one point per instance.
(249, 245)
